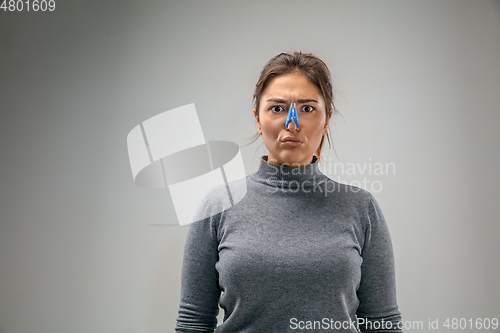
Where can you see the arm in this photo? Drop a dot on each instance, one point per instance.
(377, 290)
(199, 287)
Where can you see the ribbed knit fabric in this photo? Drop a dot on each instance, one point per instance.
(299, 253)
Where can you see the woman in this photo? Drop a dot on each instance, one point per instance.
(299, 251)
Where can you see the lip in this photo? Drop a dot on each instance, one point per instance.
(290, 138)
(291, 141)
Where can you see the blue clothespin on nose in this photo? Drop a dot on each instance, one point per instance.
(292, 113)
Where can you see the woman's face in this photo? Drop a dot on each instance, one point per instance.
(273, 111)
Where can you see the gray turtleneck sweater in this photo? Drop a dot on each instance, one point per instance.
(299, 253)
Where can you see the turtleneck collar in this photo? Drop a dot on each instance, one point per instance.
(288, 176)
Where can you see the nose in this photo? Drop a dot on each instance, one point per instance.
(291, 127)
(292, 120)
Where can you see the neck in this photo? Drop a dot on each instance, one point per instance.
(289, 176)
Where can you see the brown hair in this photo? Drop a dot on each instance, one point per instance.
(304, 63)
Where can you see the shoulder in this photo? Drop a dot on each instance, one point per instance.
(220, 197)
(356, 201)
(348, 193)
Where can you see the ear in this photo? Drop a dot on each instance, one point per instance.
(258, 121)
(326, 124)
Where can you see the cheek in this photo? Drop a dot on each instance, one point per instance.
(317, 132)
(272, 126)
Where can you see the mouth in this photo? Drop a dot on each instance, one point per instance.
(291, 141)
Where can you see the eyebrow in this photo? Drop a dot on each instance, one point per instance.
(300, 101)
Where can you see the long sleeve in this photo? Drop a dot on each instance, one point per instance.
(287, 256)
(199, 288)
(377, 290)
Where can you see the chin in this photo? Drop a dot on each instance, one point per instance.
(289, 158)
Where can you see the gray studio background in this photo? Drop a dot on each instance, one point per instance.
(84, 249)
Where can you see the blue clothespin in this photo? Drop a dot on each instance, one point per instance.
(292, 113)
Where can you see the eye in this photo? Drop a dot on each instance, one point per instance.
(307, 108)
(277, 108)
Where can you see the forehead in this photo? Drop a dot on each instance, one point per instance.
(292, 85)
